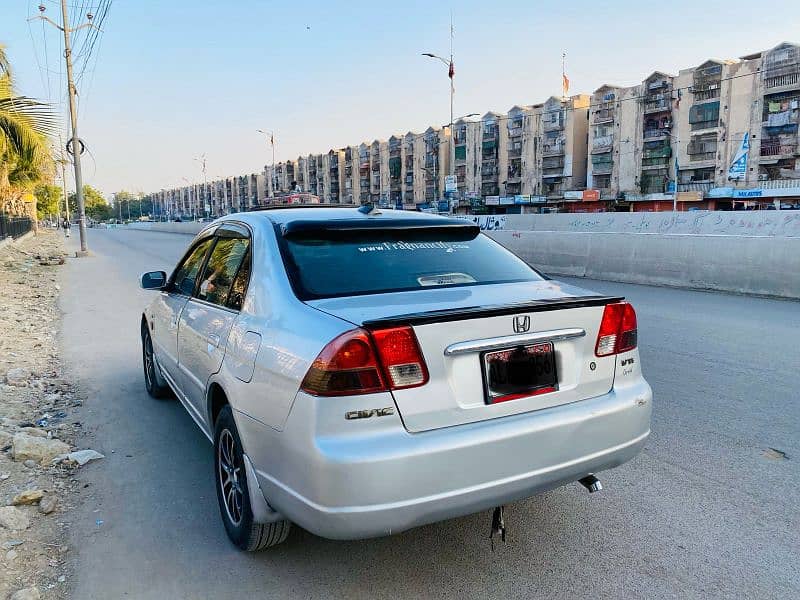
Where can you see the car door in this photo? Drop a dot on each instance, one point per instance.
(167, 308)
(209, 314)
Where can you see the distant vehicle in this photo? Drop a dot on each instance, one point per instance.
(361, 373)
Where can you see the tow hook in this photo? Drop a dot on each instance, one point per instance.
(591, 483)
(498, 526)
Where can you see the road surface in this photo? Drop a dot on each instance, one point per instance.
(709, 509)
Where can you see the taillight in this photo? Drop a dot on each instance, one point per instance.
(361, 362)
(401, 357)
(617, 329)
(347, 365)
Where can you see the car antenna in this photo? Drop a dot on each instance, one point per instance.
(369, 209)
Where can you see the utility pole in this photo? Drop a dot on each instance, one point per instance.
(75, 146)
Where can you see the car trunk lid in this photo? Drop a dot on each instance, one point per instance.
(457, 326)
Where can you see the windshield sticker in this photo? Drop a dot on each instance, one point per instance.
(410, 246)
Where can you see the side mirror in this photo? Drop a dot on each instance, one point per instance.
(153, 280)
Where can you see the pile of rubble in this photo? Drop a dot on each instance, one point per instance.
(37, 457)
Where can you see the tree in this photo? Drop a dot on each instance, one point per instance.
(135, 205)
(48, 200)
(25, 154)
(95, 205)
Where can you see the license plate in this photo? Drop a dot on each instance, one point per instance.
(519, 372)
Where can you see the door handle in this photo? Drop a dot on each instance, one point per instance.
(213, 340)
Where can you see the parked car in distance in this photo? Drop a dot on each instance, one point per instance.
(361, 372)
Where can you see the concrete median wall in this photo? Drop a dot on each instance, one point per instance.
(743, 252)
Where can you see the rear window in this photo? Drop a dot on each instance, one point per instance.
(379, 261)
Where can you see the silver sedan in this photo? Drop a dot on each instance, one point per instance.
(363, 372)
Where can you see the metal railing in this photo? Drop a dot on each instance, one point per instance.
(709, 94)
(772, 184)
(782, 80)
(777, 149)
(14, 226)
(695, 186)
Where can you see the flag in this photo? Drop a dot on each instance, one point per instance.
(678, 99)
(272, 138)
(565, 84)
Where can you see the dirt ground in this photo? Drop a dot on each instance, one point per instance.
(37, 423)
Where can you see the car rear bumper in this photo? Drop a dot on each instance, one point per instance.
(370, 477)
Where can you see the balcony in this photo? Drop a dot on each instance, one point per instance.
(773, 184)
(553, 150)
(514, 131)
(657, 105)
(602, 144)
(553, 122)
(701, 95)
(696, 186)
(603, 115)
(656, 133)
(789, 80)
(514, 175)
(778, 150)
(514, 152)
(489, 172)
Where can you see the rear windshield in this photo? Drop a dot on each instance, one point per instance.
(389, 261)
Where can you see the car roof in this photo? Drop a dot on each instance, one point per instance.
(284, 216)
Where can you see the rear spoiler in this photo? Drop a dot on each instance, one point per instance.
(478, 312)
(460, 229)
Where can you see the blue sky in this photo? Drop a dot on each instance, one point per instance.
(175, 79)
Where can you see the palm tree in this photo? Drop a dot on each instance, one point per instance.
(25, 154)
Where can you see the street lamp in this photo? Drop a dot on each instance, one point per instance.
(271, 135)
(450, 73)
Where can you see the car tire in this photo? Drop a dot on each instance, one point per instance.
(233, 494)
(153, 380)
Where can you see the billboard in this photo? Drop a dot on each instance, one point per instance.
(739, 165)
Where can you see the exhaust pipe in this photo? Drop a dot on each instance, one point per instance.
(591, 483)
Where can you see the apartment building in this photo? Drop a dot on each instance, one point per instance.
(721, 134)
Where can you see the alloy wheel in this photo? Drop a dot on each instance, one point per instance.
(230, 467)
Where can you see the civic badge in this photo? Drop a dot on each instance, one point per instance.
(522, 323)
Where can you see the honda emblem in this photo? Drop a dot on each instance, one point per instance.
(522, 323)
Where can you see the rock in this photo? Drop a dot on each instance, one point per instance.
(31, 464)
(18, 377)
(11, 543)
(11, 555)
(34, 431)
(5, 438)
(48, 504)
(79, 456)
(31, 593)
(42, 450)
(13, 518)
(28, 497)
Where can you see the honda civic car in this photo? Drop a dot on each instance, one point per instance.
(362, 372)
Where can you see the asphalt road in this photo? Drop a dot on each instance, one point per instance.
(707, 510)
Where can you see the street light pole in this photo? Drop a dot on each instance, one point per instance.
(451, 74)
(202, 160)
(272, 143)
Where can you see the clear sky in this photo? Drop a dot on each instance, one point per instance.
(172, 79)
